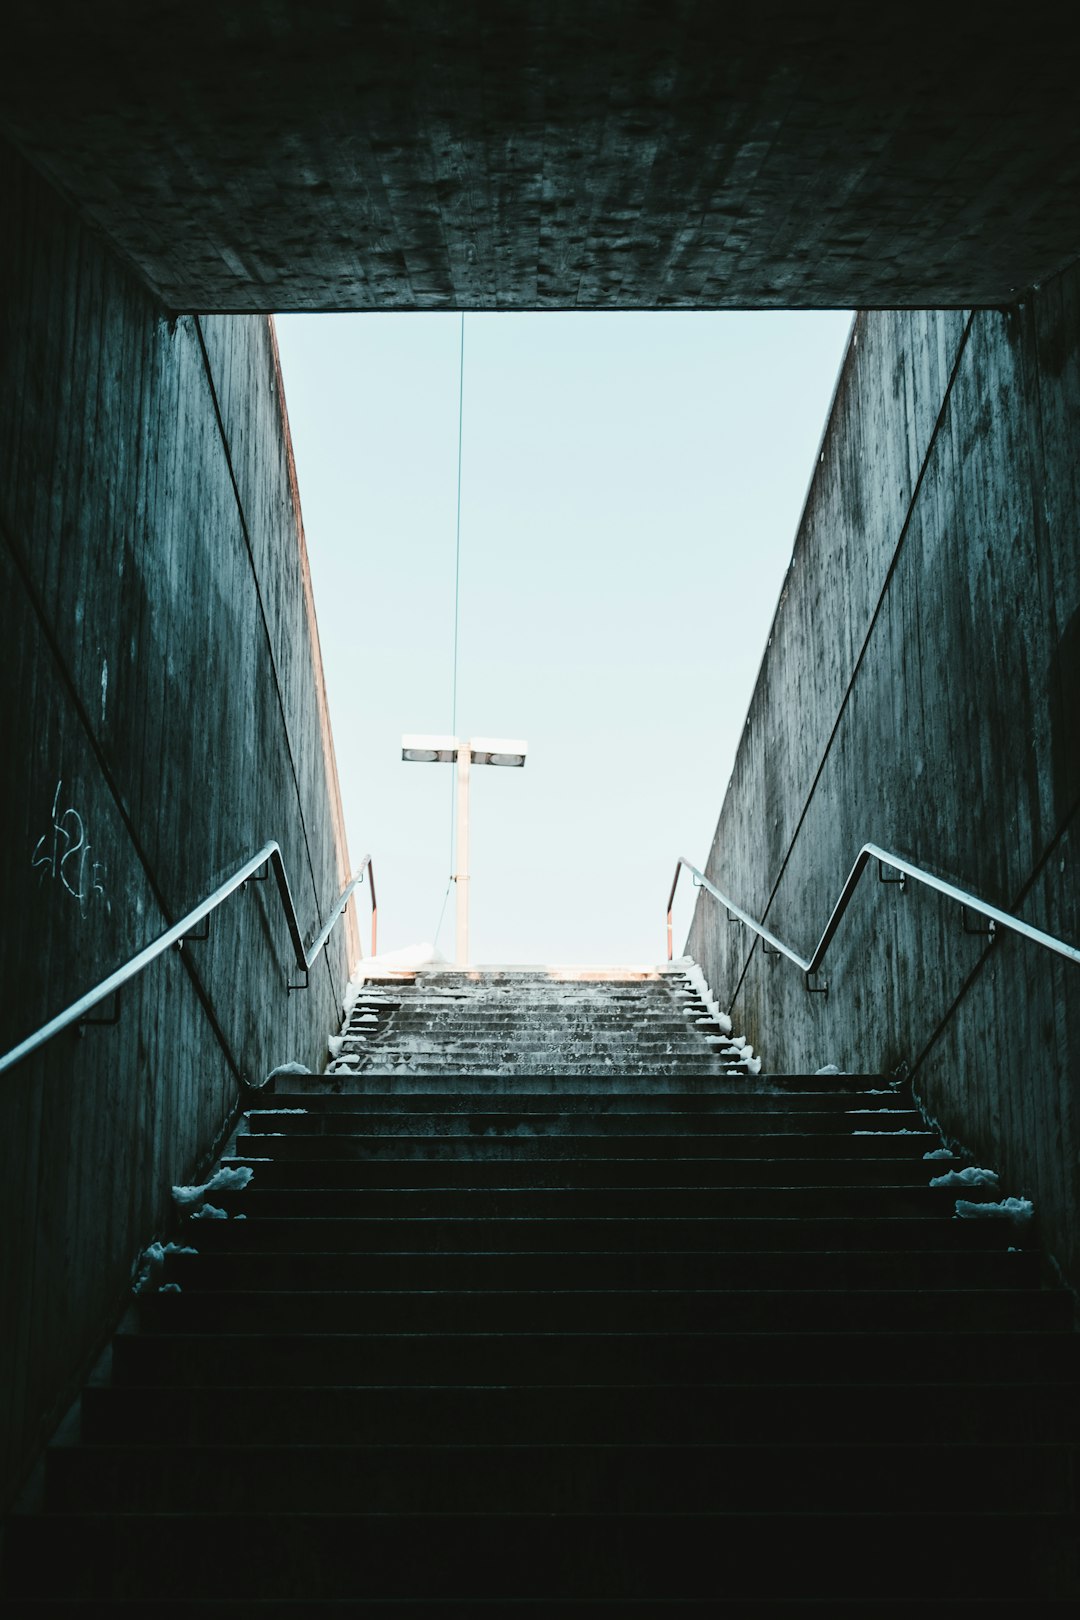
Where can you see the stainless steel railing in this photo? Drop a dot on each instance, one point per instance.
(996, 918)
(304, 957)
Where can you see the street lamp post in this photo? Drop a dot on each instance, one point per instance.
(465, 752)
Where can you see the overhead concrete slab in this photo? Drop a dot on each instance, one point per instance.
(582, 154)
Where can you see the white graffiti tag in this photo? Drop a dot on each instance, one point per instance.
(63, 853)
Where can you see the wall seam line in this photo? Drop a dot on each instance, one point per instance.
(227, 450)
(878, 606)
(988, 950)
(113, 787)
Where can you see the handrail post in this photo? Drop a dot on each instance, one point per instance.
(374, 908)
(670, 903)
(461, 876)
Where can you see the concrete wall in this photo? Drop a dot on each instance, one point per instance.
(163, 715)
(274, 154)
(921, 689)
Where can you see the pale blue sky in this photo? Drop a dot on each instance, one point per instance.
(632, 485)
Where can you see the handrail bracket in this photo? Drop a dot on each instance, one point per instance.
(103, 1023)
(988, 931)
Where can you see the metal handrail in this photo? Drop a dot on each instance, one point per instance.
(885, 858)
(270, 854)
(342, 902)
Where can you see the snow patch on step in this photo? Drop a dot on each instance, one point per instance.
(1009, 1209)
(971, 1177)
(286, 1068)
(405, 960)
(223, 1180)
(151, 1263)
(696, 980)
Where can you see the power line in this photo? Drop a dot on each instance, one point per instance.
(457, 536)
(457, 595)
(442, 914)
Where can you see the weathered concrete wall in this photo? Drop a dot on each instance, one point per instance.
(588, 154)
(163, 716)
(921, 689)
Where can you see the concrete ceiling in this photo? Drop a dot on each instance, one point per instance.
(579, 154)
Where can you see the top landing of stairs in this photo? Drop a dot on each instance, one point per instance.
(613, 1020)
(521, 972)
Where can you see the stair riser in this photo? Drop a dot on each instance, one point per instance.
(627, 1233)
(929, 1272)
(522, 1147)
(838, 1557)
(638, 1200)
(738, 1098)
(545, 1479)
(514, 1129)
(431, 1080)
(554, 1358)
(616, 1070)
(607, 1312)
(898, 1413)
(479, 1176)
(538, 1033)
(628, 1050)
(520, 1038)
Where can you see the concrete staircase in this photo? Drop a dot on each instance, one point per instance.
(579, 1320)
(508, 1022)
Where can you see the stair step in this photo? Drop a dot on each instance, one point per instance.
(440, 1054)
(467, 1075)
(542, 1035)
(360, 1234)
(520, 1148)
(721, 1101)
(588, 1356)
(609, 1310)
(631, 1199)
(518, 1124)
(594, 1173)
(1040, 1410)
(858, 1556)
(929, 1270)
(439, 1082)
(545, 1478)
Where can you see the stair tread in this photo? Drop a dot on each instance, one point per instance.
(590, 1316)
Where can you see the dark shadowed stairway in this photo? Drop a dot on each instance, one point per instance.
(542, 1302)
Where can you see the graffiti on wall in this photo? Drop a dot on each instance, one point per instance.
(63, 854)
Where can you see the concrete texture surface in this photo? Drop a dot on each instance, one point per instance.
(919, 690)
(163, 716)
(567, 154)
(519, 1023)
